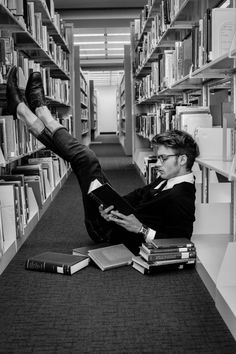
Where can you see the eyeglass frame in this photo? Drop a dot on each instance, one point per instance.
(163, 158)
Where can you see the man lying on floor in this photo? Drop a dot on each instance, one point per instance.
(164, 208)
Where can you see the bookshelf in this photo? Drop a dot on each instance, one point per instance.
(124, 105)
(93, 110)
(82, 120)
(175, 62)
(34, 38)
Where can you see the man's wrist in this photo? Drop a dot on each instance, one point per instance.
(144, 230)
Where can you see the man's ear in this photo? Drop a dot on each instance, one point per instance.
(183, 159)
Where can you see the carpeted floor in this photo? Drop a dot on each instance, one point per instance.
(116, 311)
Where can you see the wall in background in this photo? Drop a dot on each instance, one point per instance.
(106, 109)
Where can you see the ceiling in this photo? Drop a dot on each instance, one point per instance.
(101, 28)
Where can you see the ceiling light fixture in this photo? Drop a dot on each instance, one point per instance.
(84, 43)
(89, 35)
(116, 42)
(118, 34)
(92, 55)
(91, 49)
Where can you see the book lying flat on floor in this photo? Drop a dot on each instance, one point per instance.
(172, 242)
(104, 194)
(111, 256)
(55, 262)
(83, 251)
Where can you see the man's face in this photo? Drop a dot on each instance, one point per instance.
(171, 166)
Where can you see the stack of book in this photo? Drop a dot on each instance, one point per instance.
(165, 254)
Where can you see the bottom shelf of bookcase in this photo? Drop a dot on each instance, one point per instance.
(216, 263)
(34, 218)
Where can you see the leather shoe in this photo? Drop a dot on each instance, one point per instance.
(13, 93)
(34, 91)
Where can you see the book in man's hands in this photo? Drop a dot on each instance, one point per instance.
(111, 257)
(54, 262)
(106, 195)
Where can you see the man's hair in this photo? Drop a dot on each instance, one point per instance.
(181, 142)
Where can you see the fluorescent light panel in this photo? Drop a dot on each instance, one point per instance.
(100, 34)
(101, 55)
(108, 42)
(102, 48)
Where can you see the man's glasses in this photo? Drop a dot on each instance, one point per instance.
(163, 158)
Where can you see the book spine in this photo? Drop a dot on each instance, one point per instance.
(167, 256)
(46, 267)
(187, 245)
(169, 250)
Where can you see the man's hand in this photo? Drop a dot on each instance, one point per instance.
(105, 213)
(128, 222)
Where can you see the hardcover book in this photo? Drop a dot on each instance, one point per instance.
(144, 269)
(172, 242)
(84, 250)
(151, 266)
(149, 248)
(111, 256)
(104, 194)
(167, 256)
(54, 262)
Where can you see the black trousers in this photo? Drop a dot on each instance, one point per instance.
(86, 167)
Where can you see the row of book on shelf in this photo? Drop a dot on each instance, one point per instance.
(24, 191)
(15, 139)
(173, 116)
(55, 88)
(211, 37)
(11, 55)
(159, 255)
(24, 12)
(166, 8)
(214, 140)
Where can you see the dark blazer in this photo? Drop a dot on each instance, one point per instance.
(170, 212)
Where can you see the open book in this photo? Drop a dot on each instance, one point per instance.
(104, 194)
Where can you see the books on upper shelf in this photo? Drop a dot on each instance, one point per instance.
(111, 256)
(55, 262)
(104, 194)
(223, 30)
(165, 254)
(189, 118)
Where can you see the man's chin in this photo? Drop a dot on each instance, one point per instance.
(162, 174)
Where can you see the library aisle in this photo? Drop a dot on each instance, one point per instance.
(117, 311)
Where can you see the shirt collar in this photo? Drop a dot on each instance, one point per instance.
(189, 178)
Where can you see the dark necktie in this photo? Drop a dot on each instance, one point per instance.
(155, 191)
